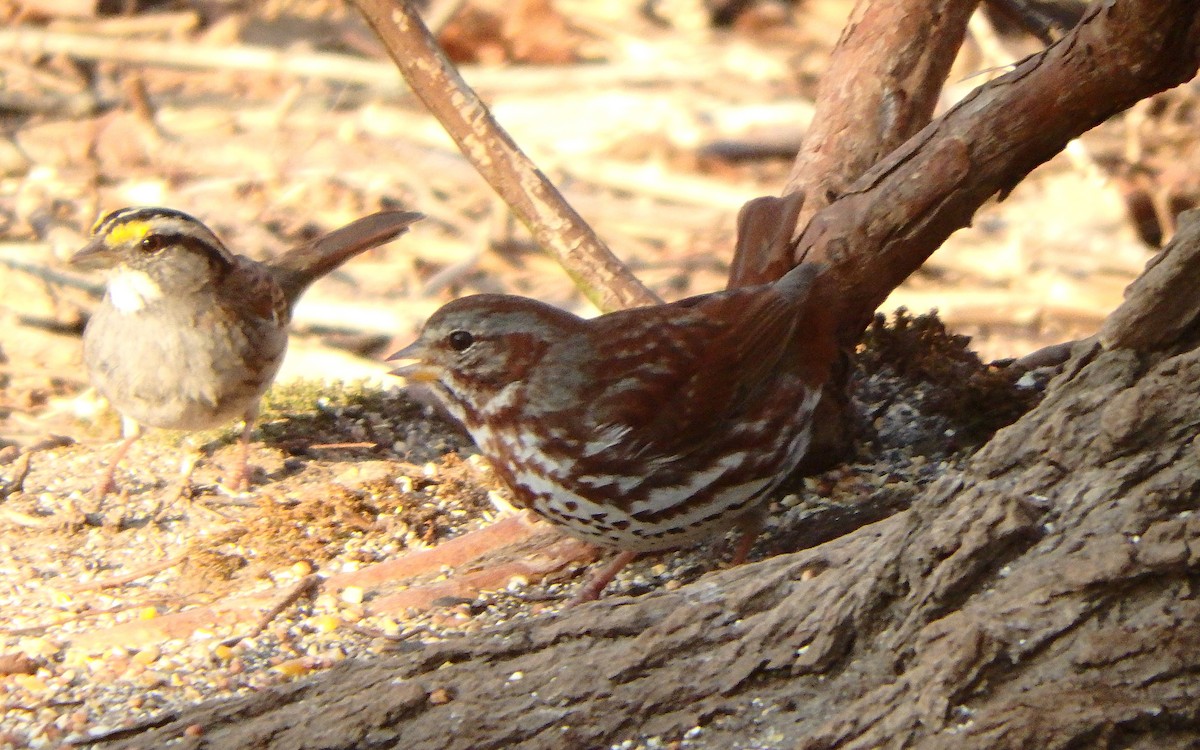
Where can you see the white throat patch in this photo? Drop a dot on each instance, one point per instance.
(129, 291)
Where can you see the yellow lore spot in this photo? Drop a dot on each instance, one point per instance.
(133, 231)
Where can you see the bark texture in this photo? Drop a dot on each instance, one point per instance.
(882, 227)
(1042, 597)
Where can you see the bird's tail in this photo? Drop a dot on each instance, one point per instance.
(296, 269)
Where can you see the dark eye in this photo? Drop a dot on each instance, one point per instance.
(152, 243)
(460, 340)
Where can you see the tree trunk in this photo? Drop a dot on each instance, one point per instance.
(1041, 597)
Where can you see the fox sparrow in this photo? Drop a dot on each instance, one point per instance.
(189, 335)
(643, 429)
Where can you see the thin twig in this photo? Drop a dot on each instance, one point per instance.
(171, 24)
(304, 587)
(9, 252)
(554, 224)
(133, 575)
(20, 472)
(73, 617)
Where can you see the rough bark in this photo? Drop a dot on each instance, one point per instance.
(882, 84)
(1042, 597)
(892, 218)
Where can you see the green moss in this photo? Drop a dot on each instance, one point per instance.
(298, 397)
(299, 408)
(301, 411)
(304, 409)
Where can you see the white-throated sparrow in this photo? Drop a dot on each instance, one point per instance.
(189, 335)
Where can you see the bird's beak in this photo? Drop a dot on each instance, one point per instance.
(95, 254)
(417, 371)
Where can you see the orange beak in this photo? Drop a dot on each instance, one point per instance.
(418, 371)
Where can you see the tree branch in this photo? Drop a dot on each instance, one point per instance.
(883, 82)
(556, 227)
(894, 217)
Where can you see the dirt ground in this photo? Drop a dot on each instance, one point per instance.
(177, 589)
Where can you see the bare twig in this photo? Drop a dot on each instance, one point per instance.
(131, 576)
(20, 472)
(10, 257)
(170, 24)
(554, 224)
(69, 105)
(304, 587)
(57, 622)
(27, 521)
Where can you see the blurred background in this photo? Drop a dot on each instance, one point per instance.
(276, 121)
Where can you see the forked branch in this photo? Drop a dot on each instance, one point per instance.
(896, 215)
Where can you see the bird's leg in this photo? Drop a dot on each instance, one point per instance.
(72, 516)
(132, 431)
(750, 526)
(238, 478)
(594, 585)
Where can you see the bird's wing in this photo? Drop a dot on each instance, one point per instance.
(251, 288)
(694, 365)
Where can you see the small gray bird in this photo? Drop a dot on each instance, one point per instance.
(189, 335)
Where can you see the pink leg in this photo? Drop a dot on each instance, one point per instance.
(238, 478)
(594, 585)
(751, 526)
(107, 482)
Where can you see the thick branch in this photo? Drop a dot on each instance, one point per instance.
(1162, 303)
(883, 82)
(881, 87)
(897, 214)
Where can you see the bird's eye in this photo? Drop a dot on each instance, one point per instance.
(460, 340)
(152, 243)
